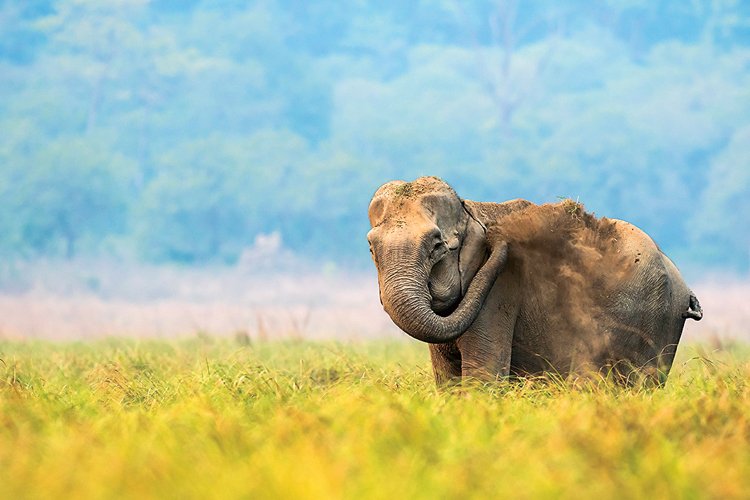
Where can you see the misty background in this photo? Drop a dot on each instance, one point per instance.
(181, 166)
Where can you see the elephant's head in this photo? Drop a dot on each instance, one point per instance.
(434, 266)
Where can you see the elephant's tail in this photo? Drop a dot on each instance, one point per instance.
(694, 310)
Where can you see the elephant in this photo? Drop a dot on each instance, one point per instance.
(516, 289)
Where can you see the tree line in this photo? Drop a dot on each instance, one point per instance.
(181, 130)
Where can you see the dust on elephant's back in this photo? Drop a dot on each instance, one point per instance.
(575, 267)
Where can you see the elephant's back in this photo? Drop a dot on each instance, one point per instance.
(631, 241)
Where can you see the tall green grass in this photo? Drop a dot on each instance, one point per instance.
(201, 418)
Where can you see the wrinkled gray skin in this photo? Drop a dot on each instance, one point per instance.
(443, 282)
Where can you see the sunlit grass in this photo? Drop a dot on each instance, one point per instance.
(201, 418)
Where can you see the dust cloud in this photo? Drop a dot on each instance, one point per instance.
(575, 271)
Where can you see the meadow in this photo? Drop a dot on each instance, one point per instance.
(210, 418)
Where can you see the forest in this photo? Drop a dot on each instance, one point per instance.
(184, 130)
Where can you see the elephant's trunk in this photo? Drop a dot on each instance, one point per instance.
(406, 297)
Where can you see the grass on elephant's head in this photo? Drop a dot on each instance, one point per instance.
(205, 418)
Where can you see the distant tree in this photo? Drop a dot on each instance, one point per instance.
(211, 197)
(68, 191)
(278, 83)
(109, 66)
(94, 35)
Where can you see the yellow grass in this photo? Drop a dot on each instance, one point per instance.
(202, 418)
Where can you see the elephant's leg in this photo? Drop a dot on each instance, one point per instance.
(446, 363)
(484, 357)
(486, 346)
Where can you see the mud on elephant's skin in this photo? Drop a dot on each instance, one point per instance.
(517, 288)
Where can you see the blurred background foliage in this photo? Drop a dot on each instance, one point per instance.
(178, 130)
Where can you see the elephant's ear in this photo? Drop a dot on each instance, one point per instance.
(473, 252)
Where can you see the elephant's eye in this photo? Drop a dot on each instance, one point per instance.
(438, 251)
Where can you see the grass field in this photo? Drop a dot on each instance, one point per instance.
(207, 418)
